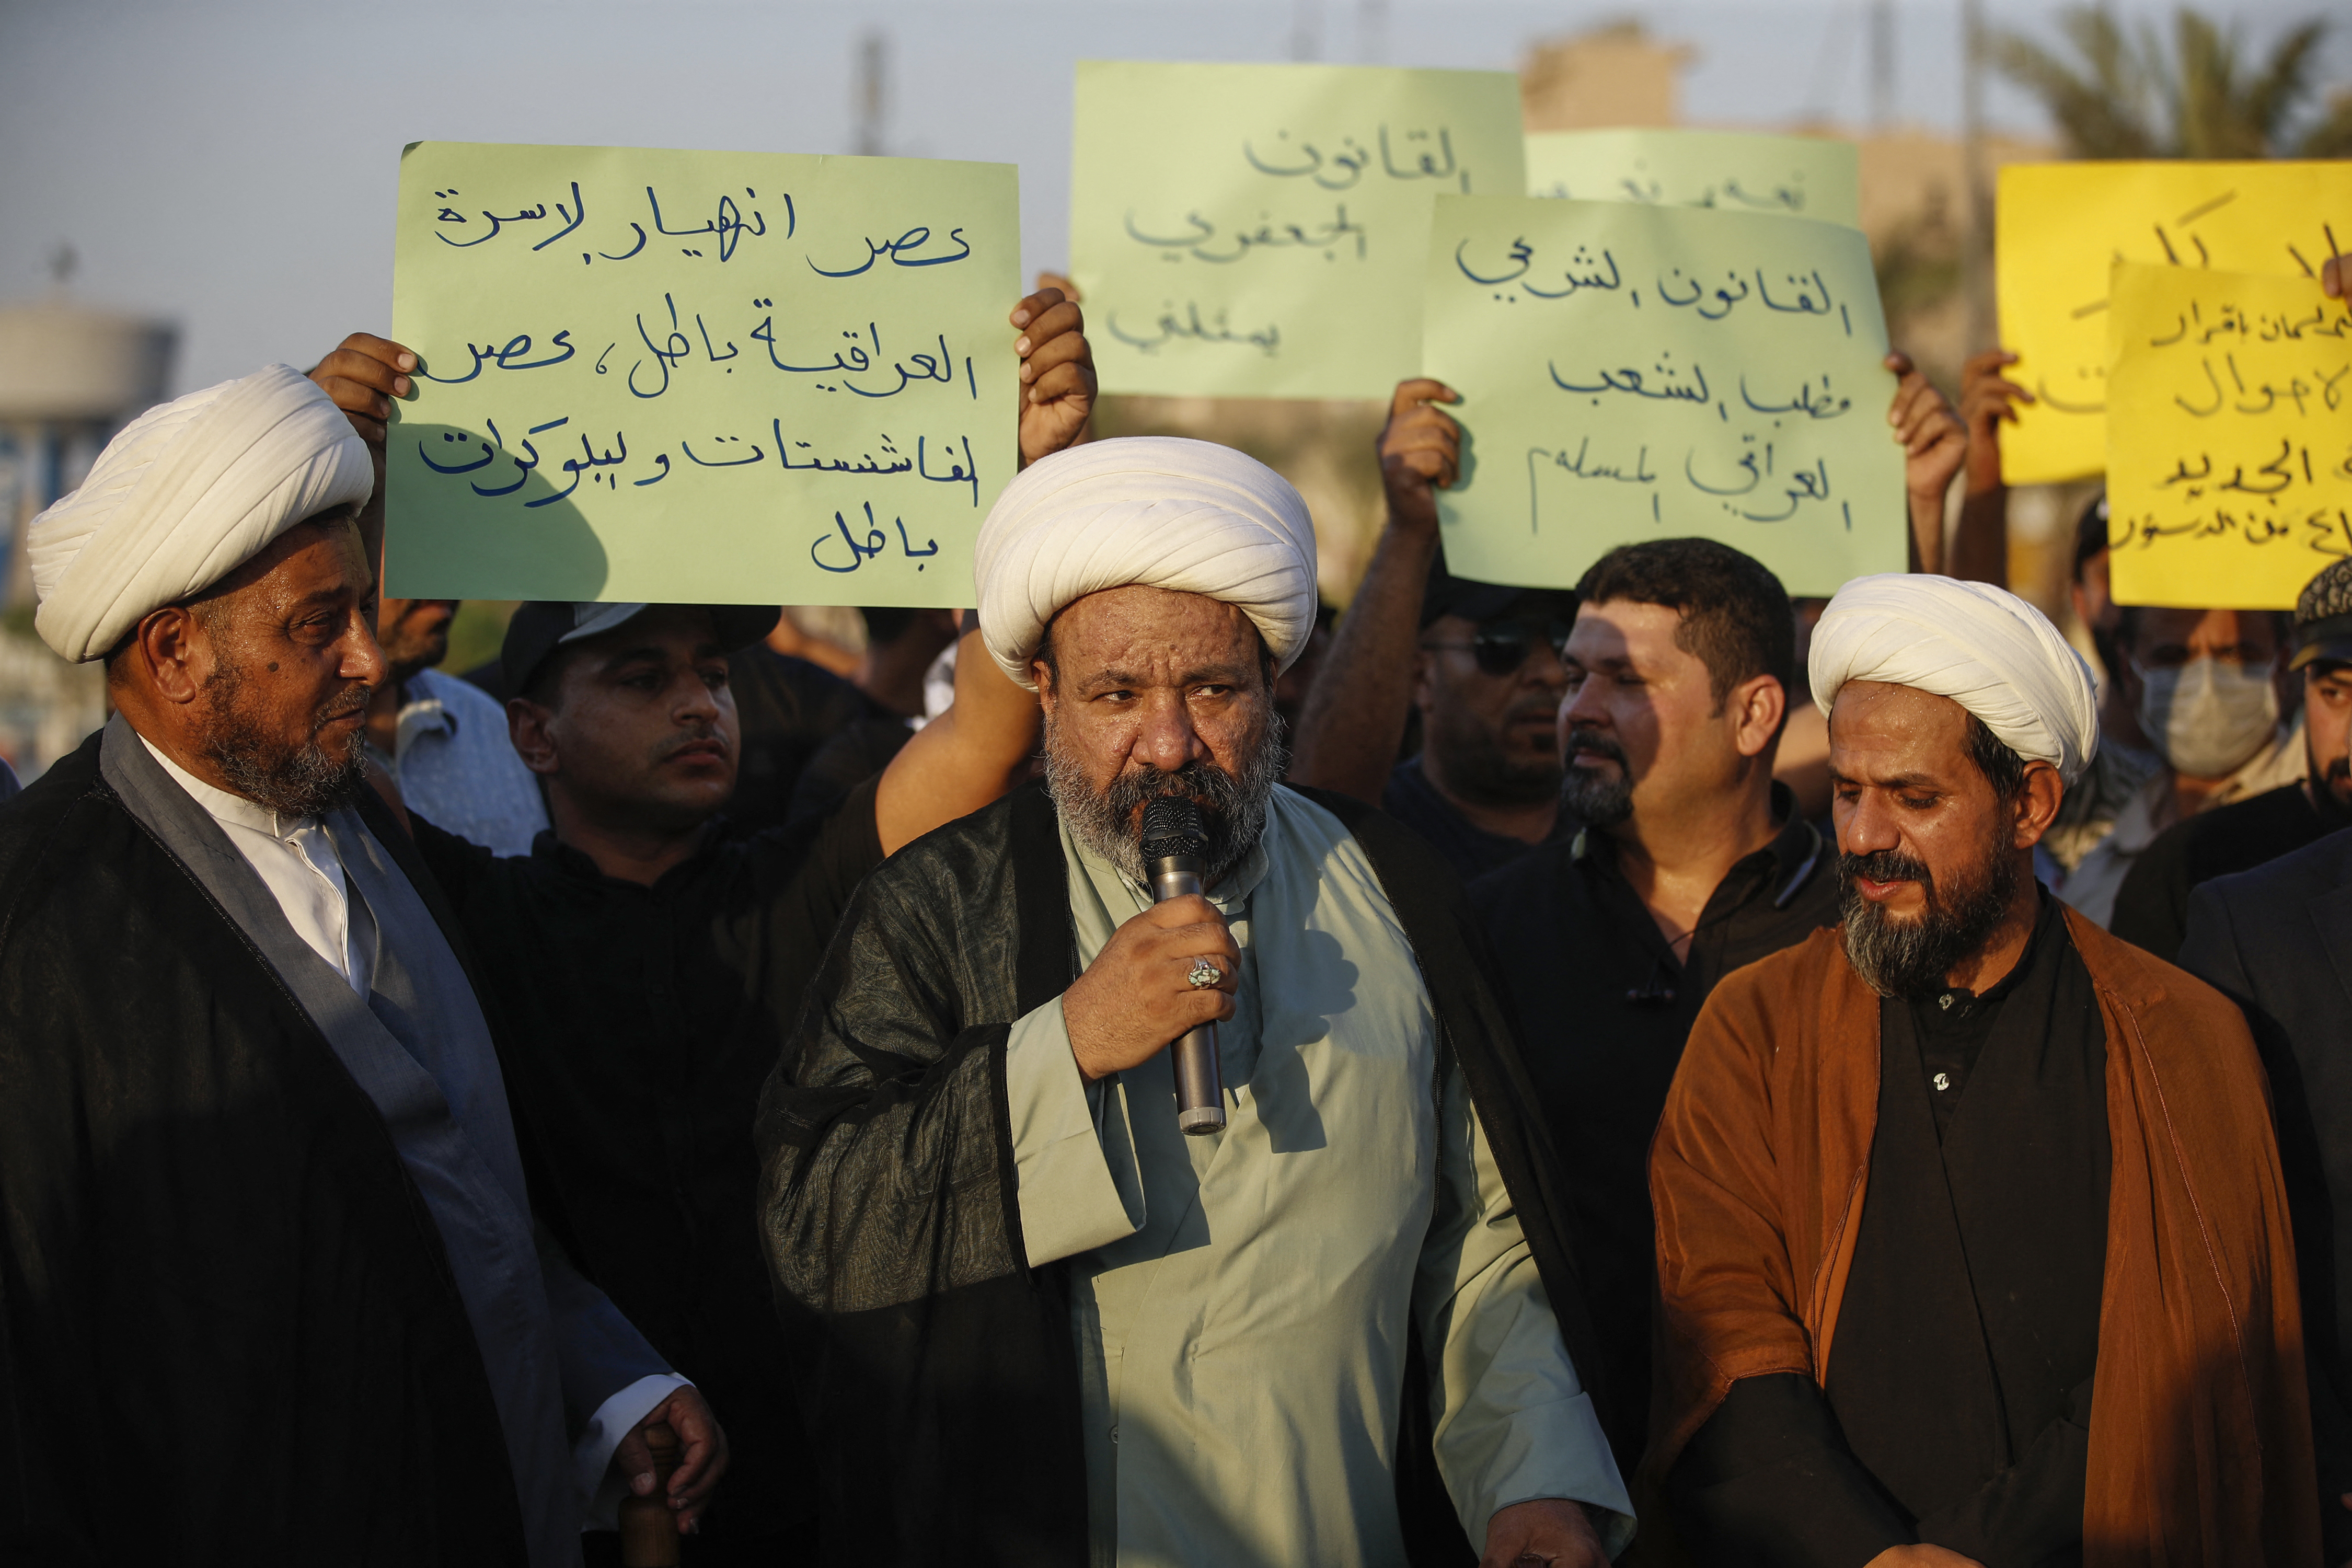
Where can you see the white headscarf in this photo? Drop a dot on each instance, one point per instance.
(1982, 647)
(1189, 516)
(187, 493)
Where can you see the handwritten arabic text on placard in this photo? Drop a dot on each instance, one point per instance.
(699, 377)
(2059, 227)
(1258, 231)
(1788, 176)
(1632, 372)
(2229, 437)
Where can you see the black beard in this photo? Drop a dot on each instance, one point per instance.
(1111, 824)
(1593, 798)
(308, 779)
(1910, 959)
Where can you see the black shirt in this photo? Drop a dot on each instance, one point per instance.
(787, 708)
(2152, 906)
(1469, 848)
(1603, 1009)
(643, 1022)
(1956, 1406)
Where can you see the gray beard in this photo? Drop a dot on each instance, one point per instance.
(1910, 959)
(305, 780)
(1593, 799)
(1110, 824)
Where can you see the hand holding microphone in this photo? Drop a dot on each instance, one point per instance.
(1142, 990)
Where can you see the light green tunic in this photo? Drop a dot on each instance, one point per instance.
(1241, 1301)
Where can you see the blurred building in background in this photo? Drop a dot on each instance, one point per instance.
(70, 376)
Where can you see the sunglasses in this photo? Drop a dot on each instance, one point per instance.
(1502, 647)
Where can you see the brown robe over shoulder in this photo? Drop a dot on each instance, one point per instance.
(2201, 1433)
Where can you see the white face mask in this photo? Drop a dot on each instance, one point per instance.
(2208, 717)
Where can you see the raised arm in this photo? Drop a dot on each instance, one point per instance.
(1934, 445)
(963, 759)
(1354, 714)
(1988, 399)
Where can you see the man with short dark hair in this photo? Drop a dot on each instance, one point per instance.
(1691, 863)
(1972, 1242)
(272, 1287)
(1485, 677)
(2152, 906)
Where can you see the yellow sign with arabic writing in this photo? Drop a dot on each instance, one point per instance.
(700, 377)
(1259, 230)
(2229, 437)
(1631, 372)
(1786, 176)
(2059, 227)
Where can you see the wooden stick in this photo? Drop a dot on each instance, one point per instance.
(648, 1528)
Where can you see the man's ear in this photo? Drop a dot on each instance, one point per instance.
(530, 727)
(1758, 705)
(2037, 802)
(171, 647)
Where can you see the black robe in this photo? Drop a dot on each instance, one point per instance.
(228, 1330)
(937, 1373)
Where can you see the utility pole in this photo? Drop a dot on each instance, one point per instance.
(1372, 32)
(1306, 29)
(872, 92)
(1976, 259)
(1882, 65)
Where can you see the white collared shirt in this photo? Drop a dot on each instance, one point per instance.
(297, 862)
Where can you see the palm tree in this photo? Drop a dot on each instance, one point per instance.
(2125, 98)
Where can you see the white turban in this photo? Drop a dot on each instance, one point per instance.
(1189, 516)
(187, 494)
(1982, 647)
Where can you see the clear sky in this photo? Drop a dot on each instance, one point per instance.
(230, 164)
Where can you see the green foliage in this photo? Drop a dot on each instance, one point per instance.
(2124, 95)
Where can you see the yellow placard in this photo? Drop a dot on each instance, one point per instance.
(2229, 437)
(2059, 227)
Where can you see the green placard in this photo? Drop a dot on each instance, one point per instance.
(1259, 231)
(1731, 171)
(1632, 372)
(701, 377)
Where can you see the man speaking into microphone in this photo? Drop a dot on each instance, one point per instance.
(1040, 1324)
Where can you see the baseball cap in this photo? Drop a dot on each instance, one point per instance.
(542, 626)
(2323, 618)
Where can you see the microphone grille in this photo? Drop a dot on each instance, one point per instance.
(1172, 826)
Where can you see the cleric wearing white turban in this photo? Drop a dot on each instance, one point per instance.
(1982, 647)
(271, 1239)
(979, 1129)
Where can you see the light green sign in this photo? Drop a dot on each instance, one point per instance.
(1632, 372)
(1259, 231)
(1787, 176)
(701, 377)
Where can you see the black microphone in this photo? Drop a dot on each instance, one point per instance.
(1174, 844)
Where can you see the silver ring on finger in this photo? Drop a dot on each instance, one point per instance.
(1205, 971)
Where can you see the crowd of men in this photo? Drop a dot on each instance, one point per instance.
(1673, 1111)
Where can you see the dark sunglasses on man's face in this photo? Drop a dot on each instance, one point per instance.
(1502, 647)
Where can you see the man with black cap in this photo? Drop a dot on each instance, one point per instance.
(1486, 679)
(659, 960)
(2152, 906)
